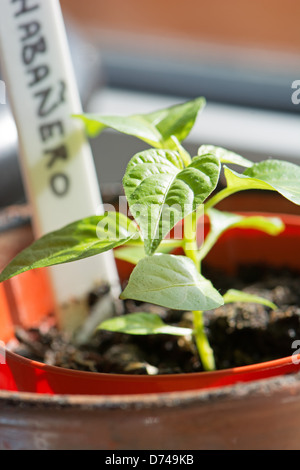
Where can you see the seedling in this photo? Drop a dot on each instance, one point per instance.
(165, 189)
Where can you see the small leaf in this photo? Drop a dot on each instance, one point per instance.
(233, 295)
(176, 121)
(135, 125)
(224, 155)
(150, 163)
(141, 323)
(160, 192)
(276, 175)
(78, 240)
(240, 182)
(130, 254)
(133, 253)
(220, 221)
(157, 128)
(173, 282)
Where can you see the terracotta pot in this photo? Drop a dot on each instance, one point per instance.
(253, 407)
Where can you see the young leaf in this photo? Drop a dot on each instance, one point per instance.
(156, 128)
(134, 253)
(131, 254)
(78, 240)
(276, 175)
(160, 192)
(176, 121)
(221, 221)
(135, 125)
(173, 282)
(150, 163)
(225, 156)
(141, 323)
(233, 295)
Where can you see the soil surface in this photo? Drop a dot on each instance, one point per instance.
(240, 334)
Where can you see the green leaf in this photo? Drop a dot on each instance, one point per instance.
(141, 323)
(131, 254)
(276, 175)
(233, 295)
(160, 192)
(224, 155)
(135, 125)
(221, 221)
(78, 240)
(150, 163)
(173, 282)
(134, 253)
(176, 121)
(157, 128)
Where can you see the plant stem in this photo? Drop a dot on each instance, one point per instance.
(207, 245)
(191, 251)
(190, 238)
(186, 158)
(205, 351)
(213, 201)
(202, 343)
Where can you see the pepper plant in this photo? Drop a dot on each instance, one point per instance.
(167, 188)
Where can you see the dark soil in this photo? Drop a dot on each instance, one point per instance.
(239, 334)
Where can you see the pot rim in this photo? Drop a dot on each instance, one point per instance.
(280, 384)
(293, 361)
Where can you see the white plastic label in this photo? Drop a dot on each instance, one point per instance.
(56, 158)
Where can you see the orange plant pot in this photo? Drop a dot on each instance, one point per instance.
(26, 299)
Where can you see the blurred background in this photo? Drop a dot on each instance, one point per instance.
(135, 56)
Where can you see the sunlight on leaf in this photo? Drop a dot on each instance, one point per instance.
(224, 155)
(160, 192)
(155, 128)
(78, 240)
(276, 175)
